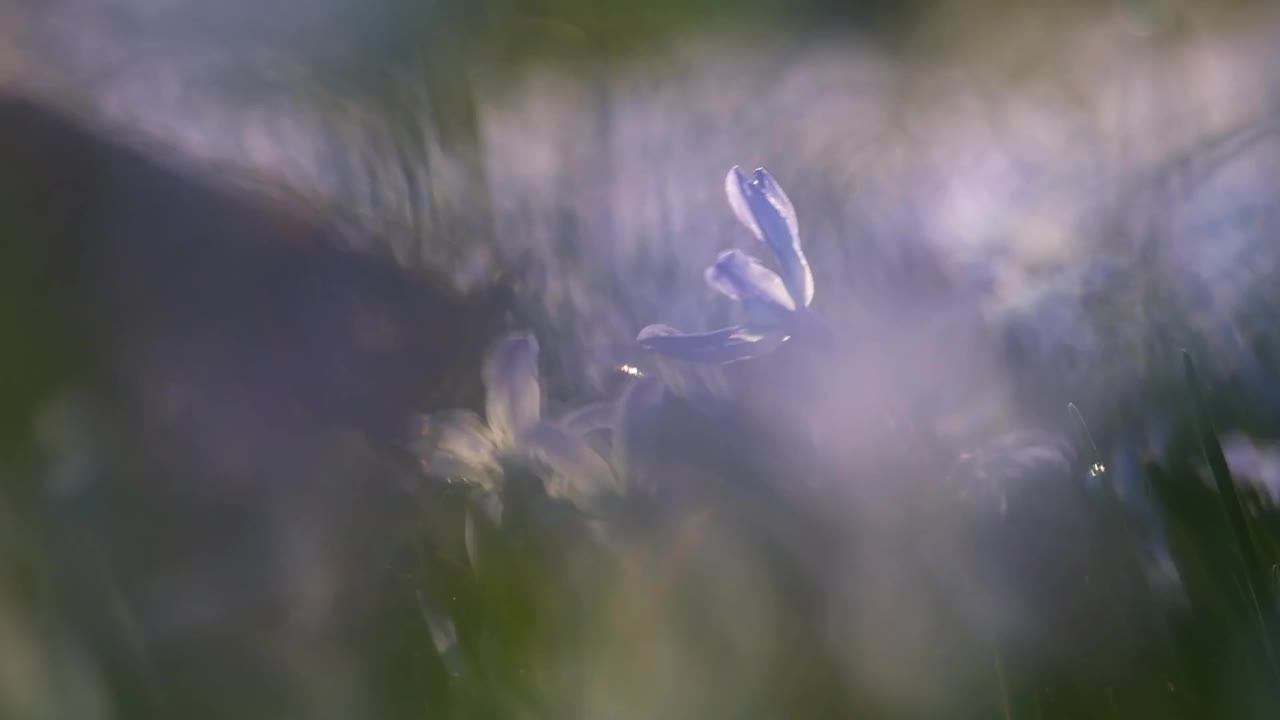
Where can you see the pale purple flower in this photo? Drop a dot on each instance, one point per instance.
(459, 445)
(775, 305)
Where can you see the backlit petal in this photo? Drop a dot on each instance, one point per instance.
(747, 280)
(718, 346)
(457, 445)
(760, 204)
(513, 396)
(572, 469)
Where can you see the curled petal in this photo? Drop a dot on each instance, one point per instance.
(513, 397)
(718, 346)
(574, 471)
(457, 444)
(748, 198)
(761, 205)
(747, 280)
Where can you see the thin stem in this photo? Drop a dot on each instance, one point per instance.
(1006, 706)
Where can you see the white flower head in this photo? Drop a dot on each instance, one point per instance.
(459, 445)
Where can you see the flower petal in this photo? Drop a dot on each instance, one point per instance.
(574, 471)
(760, 204)
(718, 346)
(513, 397)
(457, 444)
(747, 280)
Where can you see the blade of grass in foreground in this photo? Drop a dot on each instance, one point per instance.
(1256, 580)
(1226, 487)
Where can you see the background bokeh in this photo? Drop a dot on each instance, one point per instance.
(244, 244)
